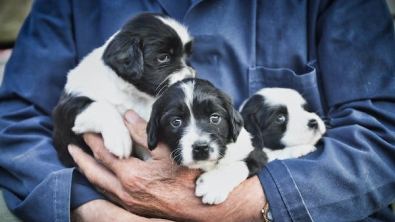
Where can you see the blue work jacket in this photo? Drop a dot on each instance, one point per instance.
(339, 54)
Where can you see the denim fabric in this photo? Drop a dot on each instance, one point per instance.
(338, 54)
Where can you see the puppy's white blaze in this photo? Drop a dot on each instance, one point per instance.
(193, 134)
(188, 89)
(186, 72)
(239, 150)
(181, 30)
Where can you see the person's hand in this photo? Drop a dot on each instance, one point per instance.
(159, 187)
(102, 210)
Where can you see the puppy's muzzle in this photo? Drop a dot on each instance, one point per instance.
(315, 124)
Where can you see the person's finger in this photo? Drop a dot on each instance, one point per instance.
(138, 131)
(96, 143)
(137, 127)
(103, 179)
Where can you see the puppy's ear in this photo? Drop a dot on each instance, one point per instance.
(251, 124)
(125, 57)
(153, 130)
(236, 121)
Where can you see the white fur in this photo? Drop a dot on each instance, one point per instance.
(181, 30)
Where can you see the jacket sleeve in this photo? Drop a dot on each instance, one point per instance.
(351, 177)
(36, 186)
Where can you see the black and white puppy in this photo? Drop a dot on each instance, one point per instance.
(147, 55)
(204, 131)
(279, 122)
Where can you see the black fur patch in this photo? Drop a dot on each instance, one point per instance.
(63, 117)
(260, 121)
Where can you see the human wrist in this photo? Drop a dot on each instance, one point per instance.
(245, 203)
(255, 195)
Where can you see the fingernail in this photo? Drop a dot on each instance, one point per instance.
(131, 117)
(71, 149)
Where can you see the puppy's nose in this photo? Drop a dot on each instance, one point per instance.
(312, 124)
(200, 146)
(200, 150)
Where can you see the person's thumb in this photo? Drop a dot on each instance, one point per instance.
(137, 127)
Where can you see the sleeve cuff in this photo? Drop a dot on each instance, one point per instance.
(82, 191)
(282, 193)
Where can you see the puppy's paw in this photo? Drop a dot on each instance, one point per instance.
(118, 141)
(211, 188)
(82, 126)
(299, 151)
(289, 152)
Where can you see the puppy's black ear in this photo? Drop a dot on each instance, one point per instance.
(236, 121)
(251, 124)
(125, 57)
(153, 130)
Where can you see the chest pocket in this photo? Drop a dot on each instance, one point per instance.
(305, 83)
(285, 51)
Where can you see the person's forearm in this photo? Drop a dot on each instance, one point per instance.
(102, 210)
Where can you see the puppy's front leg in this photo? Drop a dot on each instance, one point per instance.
(101, 117)
(289, 152)
(215, 185)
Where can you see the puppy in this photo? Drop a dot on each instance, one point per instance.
(280, 124)
(148, 54)
(204, 131)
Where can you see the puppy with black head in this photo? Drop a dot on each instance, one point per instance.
(147, 55)
(204, 131)
(280, 124)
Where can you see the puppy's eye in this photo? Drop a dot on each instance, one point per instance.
(281, 119)
(176, 122)
(164, 58)
(215, 118)
(126, 61)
